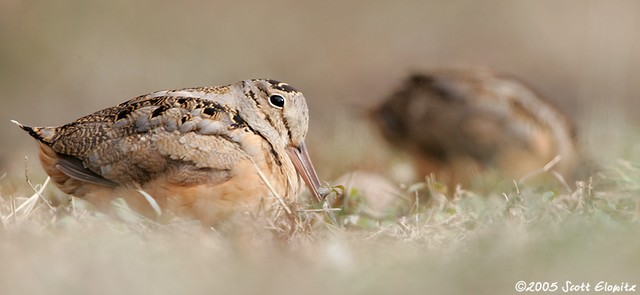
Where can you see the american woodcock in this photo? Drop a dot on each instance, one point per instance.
(460, 122)
(207, 152)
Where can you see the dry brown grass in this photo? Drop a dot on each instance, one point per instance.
(473, 244)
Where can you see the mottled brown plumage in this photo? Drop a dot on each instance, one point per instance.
(460, 122)
(208, 152)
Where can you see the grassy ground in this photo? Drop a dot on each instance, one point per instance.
(471, 245)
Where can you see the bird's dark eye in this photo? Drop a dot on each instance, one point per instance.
(276, 101)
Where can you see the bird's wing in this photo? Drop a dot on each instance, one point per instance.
(142, 138)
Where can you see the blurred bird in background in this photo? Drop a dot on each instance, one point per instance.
(460, 123)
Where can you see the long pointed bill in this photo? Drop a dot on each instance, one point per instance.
(301, 161)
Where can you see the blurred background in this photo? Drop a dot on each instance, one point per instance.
(63, 59)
